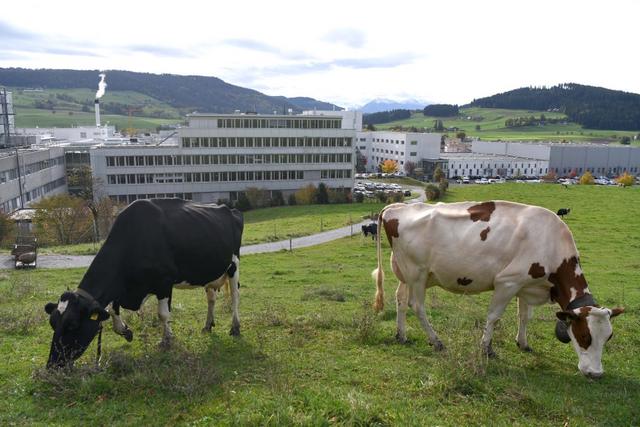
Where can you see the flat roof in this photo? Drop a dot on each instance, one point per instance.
(263, 116)
(483, 156)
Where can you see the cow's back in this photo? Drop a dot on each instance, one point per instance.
(466, 245)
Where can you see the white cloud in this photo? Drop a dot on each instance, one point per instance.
(342, 52)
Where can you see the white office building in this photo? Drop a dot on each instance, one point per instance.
(218, 156)
(402, 147)
(490, 165)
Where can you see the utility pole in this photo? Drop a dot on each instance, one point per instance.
(4, 107)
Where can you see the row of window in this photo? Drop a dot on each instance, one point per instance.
(30, 168)
(226, 159)
(279, 123)
(499, 171)
(13, 204)
(488, 165)
(261, 142)
(235, 176)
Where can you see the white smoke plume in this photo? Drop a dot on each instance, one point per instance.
(102, 85)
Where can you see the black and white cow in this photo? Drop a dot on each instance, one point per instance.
(371, 228)
(153, 246)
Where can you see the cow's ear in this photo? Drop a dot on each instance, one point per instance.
(616, 311)
(50, 307)
(566, 316)
(99, 314)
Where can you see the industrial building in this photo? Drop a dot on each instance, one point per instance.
(218, 156)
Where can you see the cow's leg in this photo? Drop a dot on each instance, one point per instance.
(402, 304)
(525, 313)
(119, 326)
(502, 294)
(417, 302)
(234, 282)
(164, 314)
(211, 304)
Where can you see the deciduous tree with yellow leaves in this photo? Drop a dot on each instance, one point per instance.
(389, 166)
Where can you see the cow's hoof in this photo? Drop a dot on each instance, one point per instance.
(128, 335)
(438, 346)
(526, 348)
(206, 330)
(235, 331)
(165, 344)
(488, 351)
(401, 339)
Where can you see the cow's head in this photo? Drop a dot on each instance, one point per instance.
(75, 320)
(588, 329)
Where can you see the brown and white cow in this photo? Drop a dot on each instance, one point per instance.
(513, 249)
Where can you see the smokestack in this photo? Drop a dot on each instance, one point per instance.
(102, 85)
(97, 108)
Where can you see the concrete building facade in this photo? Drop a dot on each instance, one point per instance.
(402, 147)
(563, 158)
(41, 173)
(218, 156)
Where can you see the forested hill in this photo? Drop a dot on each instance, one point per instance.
(592, 107)
(188, 93)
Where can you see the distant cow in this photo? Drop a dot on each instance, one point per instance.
(563, 211)
(153, 246)
(371, 228)
(512, 249)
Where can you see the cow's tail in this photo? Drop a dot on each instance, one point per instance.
(378, 274)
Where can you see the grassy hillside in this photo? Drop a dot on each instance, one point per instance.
(492, 126)
(75, 107)
(313, 353)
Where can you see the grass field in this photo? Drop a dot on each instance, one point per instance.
(492, 127)
(313, 353)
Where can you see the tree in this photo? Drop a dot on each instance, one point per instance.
(587, 179)
(432, 192)
(438, 126)
(409, 168)
(322, 195)
(462, 135)
(5, 226)
(61, 218)
(83, 185)
(389, 166)
(277, 199)
(243, 203)
(625, 140)
(257, 197)
(438, 175)
(478, 127)
(626, 180)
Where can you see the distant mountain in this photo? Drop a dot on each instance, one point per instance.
(187, 93)
(378, 105)
(592, 107)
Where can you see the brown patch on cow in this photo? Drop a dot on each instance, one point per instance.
(482, 211)
(536, 270)
(391, 228)
(483, 233)
(464, 281)
(580, 328)
(564, 279)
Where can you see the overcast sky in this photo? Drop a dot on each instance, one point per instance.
(345, 52)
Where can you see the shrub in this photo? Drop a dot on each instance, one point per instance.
(587, 179)
(382, 197)
(443, 186)
(322, 195)
(291, 199)
(432, 192)
(243, 203)
(625, 179)
(337, 196)
(306, 195)
(550, 177)
(358, 197)
(276, 198)
(257, 197)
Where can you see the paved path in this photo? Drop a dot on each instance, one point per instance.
(77, 261)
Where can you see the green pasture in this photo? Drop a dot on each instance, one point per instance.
(313, 353)
(492, 127)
